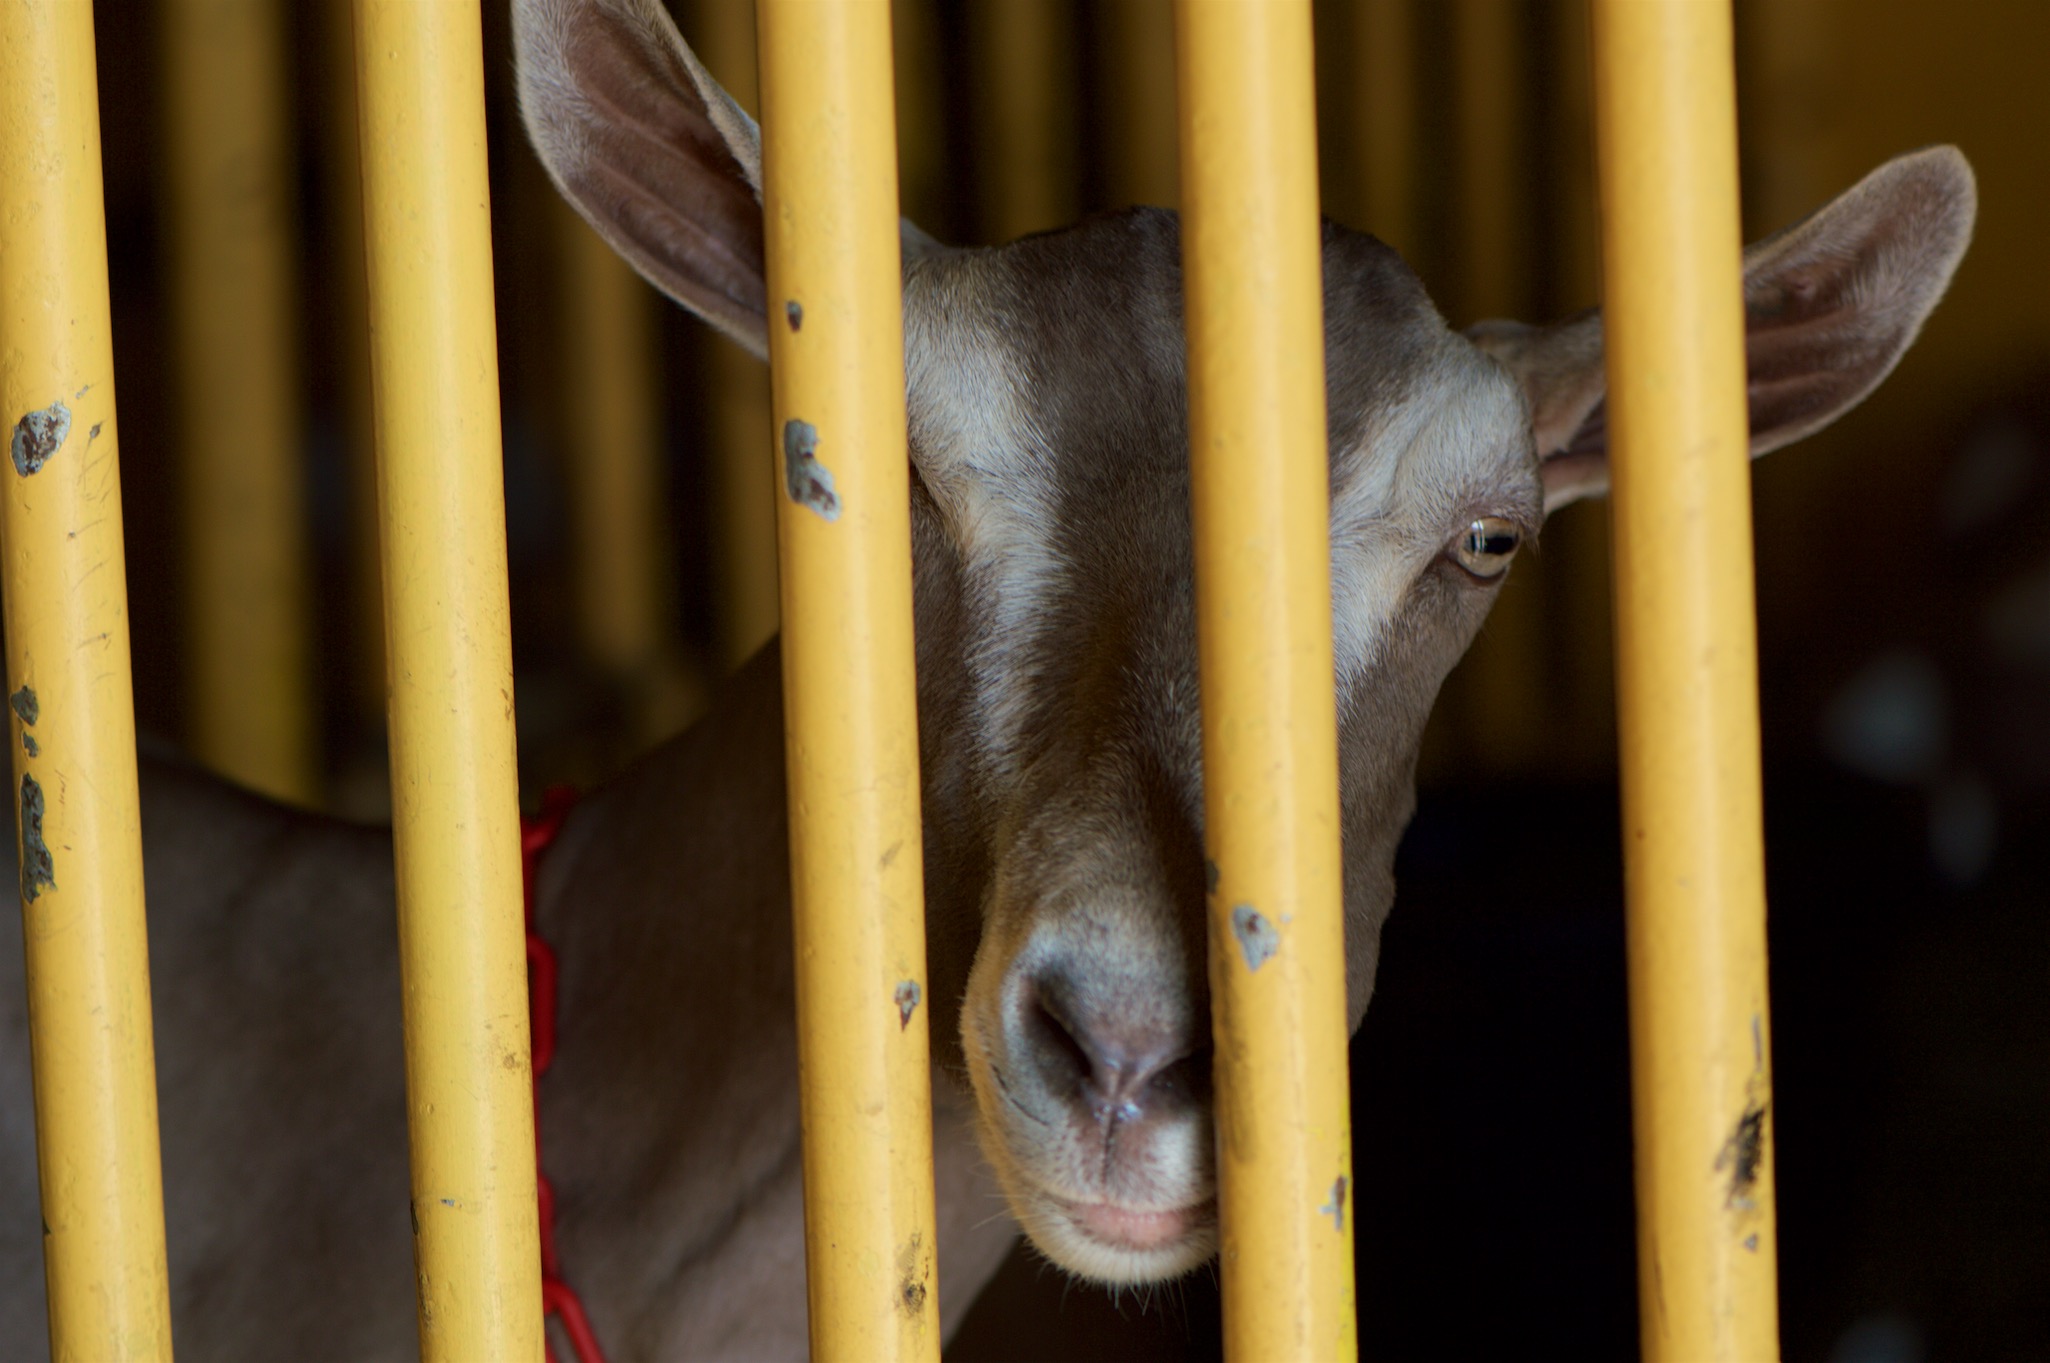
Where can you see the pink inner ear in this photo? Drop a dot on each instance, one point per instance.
(1555, 428)
(1570, 476)
(637, 137)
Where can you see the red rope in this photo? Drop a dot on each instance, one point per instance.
(558, 1298)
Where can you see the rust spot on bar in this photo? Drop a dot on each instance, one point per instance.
(38, 872)
(38, 436)
(810, 483)
(908, 995)
(914, 1267)
(1743, 1154)
(1258, 937)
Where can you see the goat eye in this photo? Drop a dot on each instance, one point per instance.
(1485, 547)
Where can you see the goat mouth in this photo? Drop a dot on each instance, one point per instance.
(1134, 1229)
(1117, 1245)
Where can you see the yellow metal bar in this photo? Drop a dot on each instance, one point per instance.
(1141, 152)
(1499, 692)
(1581, 711)
(455, 804)
(737, 398)
(743, 489)
(228, 135)
(624, 608)
(608, 382)
(1687, 680)
(1251, 252)
(925, 183)
(1382, 83)
(1025, 98)
(836, 341)
(1494, 139)
(72, 710)
(361, 691)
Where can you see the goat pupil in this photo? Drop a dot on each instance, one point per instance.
(1480, 541)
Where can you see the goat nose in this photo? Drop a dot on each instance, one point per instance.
(1120, 1062)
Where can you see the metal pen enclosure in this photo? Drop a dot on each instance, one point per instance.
(1248, 184)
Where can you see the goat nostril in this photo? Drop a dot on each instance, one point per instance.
(1056, 1041)
(1115, 1072)
(1185, 1078)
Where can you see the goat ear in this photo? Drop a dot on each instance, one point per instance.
(1830, 304)
(648, 148)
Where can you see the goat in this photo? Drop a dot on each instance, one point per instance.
(1059, 745)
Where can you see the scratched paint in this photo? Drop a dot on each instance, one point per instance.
(38, 872)
(38, 436)
(914, 1267)
(24, 704)
(1335, 1207)
(793, 312)
(907, 1002)
(809, 482)
(1743, 1155)
(1258, 937)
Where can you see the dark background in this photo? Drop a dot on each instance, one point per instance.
(1904, 632)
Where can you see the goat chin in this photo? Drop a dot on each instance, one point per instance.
(1158, 1244)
